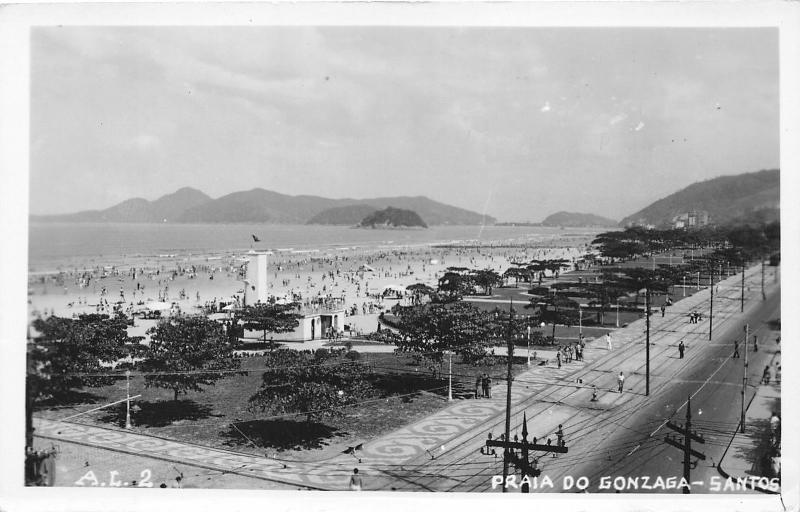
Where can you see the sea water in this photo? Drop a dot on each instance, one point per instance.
(55, 245)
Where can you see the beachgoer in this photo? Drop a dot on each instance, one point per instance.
(355, 481)
(609, 345)
(755, 343)
(477, 386)
(488, 386)
(774, 421)
(736, 349)
(681, 348)
(765, 377)
(620, 381)
(178, 484)
(594, 393)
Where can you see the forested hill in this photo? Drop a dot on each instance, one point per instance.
(393, 218)
(727, 198)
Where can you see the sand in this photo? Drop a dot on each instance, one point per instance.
(193, 282)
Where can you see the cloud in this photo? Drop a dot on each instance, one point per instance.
(639, 126)
(145, 142)
(546, 107)
(617, 119)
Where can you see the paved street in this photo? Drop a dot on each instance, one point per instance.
(619, 434)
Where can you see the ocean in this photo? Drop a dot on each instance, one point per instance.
(53, 246)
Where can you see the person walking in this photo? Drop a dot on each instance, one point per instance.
(355, 481)
(681, 348)
(620, 381)
(609, 345)
(488, 386)
(560, 435)
(594, 393)
(755, 343)
(558, 358)
(663, 310)
(736, 349)
(477, 386)
(484, 385)
(766, 376)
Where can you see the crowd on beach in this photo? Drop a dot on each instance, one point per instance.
(363, 281)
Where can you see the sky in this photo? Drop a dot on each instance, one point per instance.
(515, 122)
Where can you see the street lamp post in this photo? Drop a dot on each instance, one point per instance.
(616, 306)
(580, 320)
(128, 399)
(450, 376)
(529, 342)
(698, 280)
(684, 285)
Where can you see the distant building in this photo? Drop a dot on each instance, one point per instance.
(690, 220)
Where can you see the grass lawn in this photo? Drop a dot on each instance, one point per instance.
(405, 392)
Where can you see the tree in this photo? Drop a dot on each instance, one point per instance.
(277, 318)
(315, 384)
(555, 309)
(602, 295)
(486, 279)
(419, 290)
(66, 350)
(433, 329)
(623, 245)
(516, 273)
(186, 353)
(455, 283)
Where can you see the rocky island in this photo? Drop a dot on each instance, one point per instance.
(390, 218)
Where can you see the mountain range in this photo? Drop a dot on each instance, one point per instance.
(189, 205)
(571, 219)
(750, 197)
(728, 199)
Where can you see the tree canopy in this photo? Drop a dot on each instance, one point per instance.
(276, 318)
(434, 329)
(316, 384)
(68, 353)
(187, 353)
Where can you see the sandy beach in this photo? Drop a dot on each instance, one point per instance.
(194, 282)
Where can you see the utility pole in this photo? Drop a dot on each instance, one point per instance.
(686, 446)
(744, 376)
(711, 306)
(763, 294)
(647, 340)
(742, 308)
(509, 377)
(684, 286)
(522, 461)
